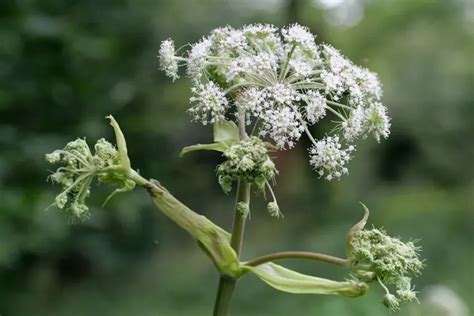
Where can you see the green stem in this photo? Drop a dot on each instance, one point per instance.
(298, 255)
(284, 70)
(226, 283)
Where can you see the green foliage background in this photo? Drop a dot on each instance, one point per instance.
(65, 64)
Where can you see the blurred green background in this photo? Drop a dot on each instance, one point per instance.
(66, 64)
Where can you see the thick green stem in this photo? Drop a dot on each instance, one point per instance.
(227, 284)
(224, 296)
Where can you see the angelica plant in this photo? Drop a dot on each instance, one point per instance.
(261, 89)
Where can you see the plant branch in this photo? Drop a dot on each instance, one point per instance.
(298, 255)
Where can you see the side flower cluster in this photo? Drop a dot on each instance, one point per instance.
(283, 82)
(247, 160)
(387, 260)
(79, 168)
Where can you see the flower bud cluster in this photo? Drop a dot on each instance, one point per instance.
(247, 160)
(79, 168)
(390, 262)
(284, 82)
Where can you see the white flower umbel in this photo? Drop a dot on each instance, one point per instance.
(168, 60)
(315, 108)
(329, 159)
(354, 125)
(378, 121)
(282, 82)
(283, 126)
(210, 103)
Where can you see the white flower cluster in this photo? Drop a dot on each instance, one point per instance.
(210, 103)
(282, 81)
(168, 60)
(330, 157)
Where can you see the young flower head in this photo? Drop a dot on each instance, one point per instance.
(283, 81)
(387, 260)
(247, 160)
(80, 167)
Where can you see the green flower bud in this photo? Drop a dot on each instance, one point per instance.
(391, 302)
(243, 209)
(247, 160)
(61, 200)
(273, 209)
(53, 157)
(365, 276)
(407, 295)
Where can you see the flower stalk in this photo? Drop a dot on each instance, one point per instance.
(227, 284)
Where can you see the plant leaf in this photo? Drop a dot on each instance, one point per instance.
(226, 132)
(290, 281)
(214, 146)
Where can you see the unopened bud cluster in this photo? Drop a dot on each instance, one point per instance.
(387, 260)
(79, 168)
(247, 160)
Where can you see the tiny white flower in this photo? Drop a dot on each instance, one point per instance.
(252, 101)
(354, 126)
(315, 106)
(210, 103)
(328, 157)
(283, 126)
(378, 120)
(297, 34)
(197, 58)
(283, 94)
(168, 61)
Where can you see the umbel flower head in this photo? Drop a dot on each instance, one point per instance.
(385, 259)
(79, 169)
(283, 82)
(247, 160)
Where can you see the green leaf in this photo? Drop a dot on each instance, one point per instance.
(214, 146)
(226, 132)
(290, 281)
